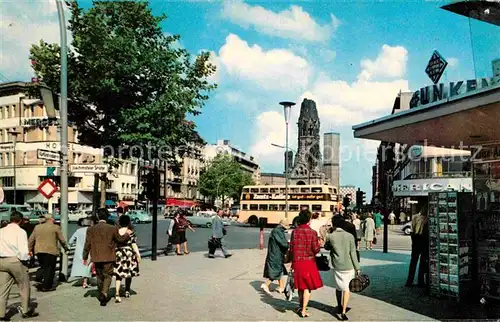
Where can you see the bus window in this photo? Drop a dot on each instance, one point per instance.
(254, 190)
(263, 207)
(316, 189)
(245, 190)
(293, 207)
(332, 208)
(282, 207)
(330, 190)
(294, 190)
(244, 207)
(282, 190)
(306, 190)
(335, 191)
(264, 190)
(275, 207)
(304, 207)
(316, 207)
(273, 190)
(254, 207)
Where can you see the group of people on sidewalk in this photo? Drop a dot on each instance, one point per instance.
(306, 242)
(111, 251)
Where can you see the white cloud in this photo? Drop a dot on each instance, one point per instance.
(22, 24)
(293, 23)
(390, 62)
(453, 62)
(276, 69)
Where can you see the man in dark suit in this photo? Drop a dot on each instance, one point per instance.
(100, 243)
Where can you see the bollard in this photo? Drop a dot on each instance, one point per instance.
(261, 238)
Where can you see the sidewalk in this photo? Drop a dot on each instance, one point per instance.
(196, 288)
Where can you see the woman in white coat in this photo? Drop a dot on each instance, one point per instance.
(78, 270)
(369, 230)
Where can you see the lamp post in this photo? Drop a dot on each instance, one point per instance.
(14, 134)
(287, 107)
(64, 130)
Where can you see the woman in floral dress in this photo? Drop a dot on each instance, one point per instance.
(128, 258)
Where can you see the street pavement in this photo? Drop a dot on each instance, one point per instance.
(196, 288)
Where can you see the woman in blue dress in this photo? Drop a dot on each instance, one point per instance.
(78, 270)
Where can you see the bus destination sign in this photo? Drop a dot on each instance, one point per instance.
(278, 196)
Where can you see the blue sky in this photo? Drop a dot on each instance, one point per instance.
(351, 57)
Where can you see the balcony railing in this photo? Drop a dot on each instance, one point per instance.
(430, 175)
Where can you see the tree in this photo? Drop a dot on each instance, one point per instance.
(223, 178)
(128, 85)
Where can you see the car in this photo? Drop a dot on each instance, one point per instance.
(6, 209)
(79, 215)
(139, 216)
(112, 218)
(204, 219)
(406, 229)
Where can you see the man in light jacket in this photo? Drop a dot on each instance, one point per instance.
(218, 232)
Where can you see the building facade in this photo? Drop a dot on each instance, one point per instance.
(267, 178)
(348, 191)
(331, 158)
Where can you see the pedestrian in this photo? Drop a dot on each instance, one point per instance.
(357, 224)
(392, 217)
(44, 242)
(402, 217)
(78, 270)
(378, 221)
(218, 233)
(14, 257)
(180, 226)
(277, 246)
(369, 231)
(128, 258)
(418, 243)
(170, 237)
(348, 227)
(100, 244)
(304, 245)
(345, 263)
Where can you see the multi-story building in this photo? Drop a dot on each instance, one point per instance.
(268, 178)
(331, 157)
(246, 162)
(24, 129)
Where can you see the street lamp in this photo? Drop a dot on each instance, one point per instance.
(287, 107)
(14, 134)
(64, 130)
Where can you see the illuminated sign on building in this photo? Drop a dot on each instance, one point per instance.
(421, 187)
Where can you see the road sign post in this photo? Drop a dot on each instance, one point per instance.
(48, 155)
(47, 188)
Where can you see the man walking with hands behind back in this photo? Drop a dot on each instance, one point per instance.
(44, 242)
(218, 232)
(100, 243)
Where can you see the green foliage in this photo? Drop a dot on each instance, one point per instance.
(128, 84)
(223, 178)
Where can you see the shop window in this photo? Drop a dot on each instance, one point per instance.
(316, 207)
(254, 207)
(244, 207)
(263, 207)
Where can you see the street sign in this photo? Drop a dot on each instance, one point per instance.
(2, 195)
(48, 155)
(90, 168)
(47, 188)
(51, 171)
(436, 66)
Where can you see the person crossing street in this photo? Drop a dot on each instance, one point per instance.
(218, 233)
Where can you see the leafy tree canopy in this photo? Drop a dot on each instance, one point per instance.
(128, 84)
(223, 178)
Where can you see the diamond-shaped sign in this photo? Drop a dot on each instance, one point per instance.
(436, 66)
(47, 188)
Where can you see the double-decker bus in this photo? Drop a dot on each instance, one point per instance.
(267, 203)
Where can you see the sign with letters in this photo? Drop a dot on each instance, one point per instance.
(421, 187)
(293, 197)
(48, 155)
(436, 66)
(443, 92)
(40, 122)
(90, 168)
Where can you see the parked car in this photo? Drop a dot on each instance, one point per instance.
(204, 219)
(79, 215)
(113, 218)
(139, 216)
(407, 229)
(6, 209)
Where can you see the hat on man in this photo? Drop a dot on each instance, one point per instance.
(284, 222)
(47, 216)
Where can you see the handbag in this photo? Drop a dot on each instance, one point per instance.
(290, 286)
(359, 283)
(288, 257)
(374, 241)
(322, 263)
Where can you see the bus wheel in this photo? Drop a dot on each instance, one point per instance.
(253, 221)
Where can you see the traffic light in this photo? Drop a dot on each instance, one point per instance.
(147, 187)
(360, 198)
(346, 202)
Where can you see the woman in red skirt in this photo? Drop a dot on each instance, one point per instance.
(304, 246)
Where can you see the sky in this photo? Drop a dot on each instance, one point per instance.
(351, 57)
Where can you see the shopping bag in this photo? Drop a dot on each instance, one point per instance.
(374, 241)
(359, 283)
(289, 287)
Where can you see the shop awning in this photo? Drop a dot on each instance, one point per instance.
(468, 119)
(180, 202)
(487, 11)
